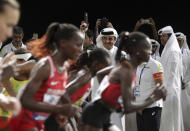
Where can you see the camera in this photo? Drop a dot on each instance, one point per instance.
(83, 27)
(104, 21)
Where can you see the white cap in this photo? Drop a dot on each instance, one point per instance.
(154, 42)
(109, 32)
(180, 35)
(166, 30)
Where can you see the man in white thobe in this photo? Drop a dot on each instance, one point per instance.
(155, 50)
(171, 59)
(185, 93)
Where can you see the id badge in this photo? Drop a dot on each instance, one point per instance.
(136, 91)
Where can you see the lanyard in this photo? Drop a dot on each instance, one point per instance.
(155, 56)
(182, 51)
(141, 74)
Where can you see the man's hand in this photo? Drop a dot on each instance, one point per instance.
(159, 93)
(151, 22)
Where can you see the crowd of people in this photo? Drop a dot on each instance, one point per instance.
(74, 78)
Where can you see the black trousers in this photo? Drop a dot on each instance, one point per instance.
(149, 120)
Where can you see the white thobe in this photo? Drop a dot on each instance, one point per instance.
(185, 94)
(171, 59)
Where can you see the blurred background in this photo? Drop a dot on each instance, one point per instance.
(36, 15)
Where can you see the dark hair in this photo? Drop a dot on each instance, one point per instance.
(57, 32)
(88, 57)
(12, 3)
(129, 42)
(50, 41)
(18, 30)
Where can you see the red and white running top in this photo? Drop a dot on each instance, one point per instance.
(51, 90)
(110, 92)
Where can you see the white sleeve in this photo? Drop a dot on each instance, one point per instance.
(174, 72)
(157, 67)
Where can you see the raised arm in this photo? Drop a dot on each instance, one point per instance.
(154, 30)
(150, 22)
(138, 24)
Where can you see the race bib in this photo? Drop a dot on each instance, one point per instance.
(51, 99)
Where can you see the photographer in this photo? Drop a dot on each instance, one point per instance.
(101, 24)
(89, 36)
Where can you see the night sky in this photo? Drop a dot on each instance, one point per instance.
(36, 15)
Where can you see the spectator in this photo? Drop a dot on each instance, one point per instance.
(171, 59)
(106, 40)
(16, 43)
(155, 50)
(148, 77)
(185, 93)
